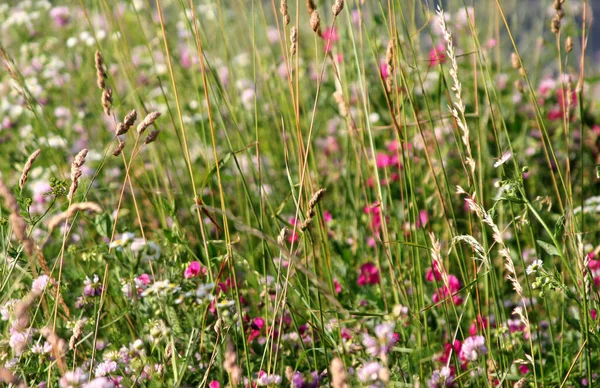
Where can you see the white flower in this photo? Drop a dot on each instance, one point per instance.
(125, 239)
(534, 267)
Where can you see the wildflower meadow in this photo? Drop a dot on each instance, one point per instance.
(319, 193)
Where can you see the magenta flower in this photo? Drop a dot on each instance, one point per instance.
(382, 160)
(214, 384)
(336, 286)
(423, 218)
(369, 274)
(437, 55)
(383, 69)
(375, 210)
(433, 273)
(330, 35)
(193, 270)
(144, 279)
(444, 292)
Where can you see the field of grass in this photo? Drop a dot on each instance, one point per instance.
(248, 193)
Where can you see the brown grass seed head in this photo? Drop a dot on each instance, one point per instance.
(27, 167)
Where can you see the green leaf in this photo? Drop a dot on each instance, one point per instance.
(103, 225)
(213, 171)
(559, 228)
(549, 248)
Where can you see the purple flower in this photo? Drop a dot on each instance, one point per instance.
(92, 287)
(441, 378)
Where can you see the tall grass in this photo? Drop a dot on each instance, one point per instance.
(298, 193)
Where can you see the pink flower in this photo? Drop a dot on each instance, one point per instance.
(375, 210)
(336, 286)
(193, 270)
(444, 292)
(185, 58)
(423, 219)
(433, 273)
(481, 324)
(437, 55)
(60, 15)
(523, 369)
(144, 279)
(383, 69)
(256, 327)
(369, 274)
(371, 242)
(382, 160)
(455, 347)
(473, 348)
(293, 237)
(330, 35)
(555, 113)
(214, 384)
(327, 216)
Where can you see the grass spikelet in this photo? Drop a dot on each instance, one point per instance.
(389, 61)
(282, 236)
(59, 347)
(148, 121)
(230, 365)
(339, 376)
(119, 149)
(27, 168)
(91, 207)
(315, 23)
(458, 108)
(107, 100)
(100, 71)
(337, 7)
(294, 40)
(283, 8)
(152, 136)
(312, 208)
(77, 332)
(311, 6)
(569, 44)
(76, 172)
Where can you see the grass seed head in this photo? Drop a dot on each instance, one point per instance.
(148, 121)
(337, 7)
(27, 167)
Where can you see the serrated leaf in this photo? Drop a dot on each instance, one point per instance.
(549, 248)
